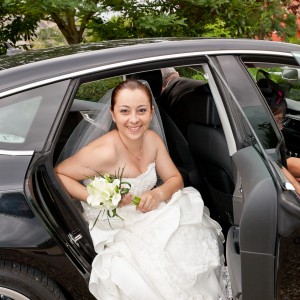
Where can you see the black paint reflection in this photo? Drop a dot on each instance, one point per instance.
(15, 204)
(18, 225)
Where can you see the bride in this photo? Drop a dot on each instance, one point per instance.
(167, 247)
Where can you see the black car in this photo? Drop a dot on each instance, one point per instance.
(231, 150)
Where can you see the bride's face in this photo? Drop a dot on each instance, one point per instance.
(132, 112)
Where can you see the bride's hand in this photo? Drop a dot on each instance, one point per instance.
(127, 199)
(149, 201)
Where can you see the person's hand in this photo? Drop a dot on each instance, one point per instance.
(149, 201)
(126, 199)
(295, 183)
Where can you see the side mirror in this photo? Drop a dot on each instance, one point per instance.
(290, 74)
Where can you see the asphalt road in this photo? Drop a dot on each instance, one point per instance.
(290, 284)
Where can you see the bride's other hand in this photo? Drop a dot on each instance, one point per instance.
(149, 201)
(127, 199)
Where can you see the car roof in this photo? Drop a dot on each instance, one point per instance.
(65, 62)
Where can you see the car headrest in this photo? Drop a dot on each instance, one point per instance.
(153, 77)
(202, 110)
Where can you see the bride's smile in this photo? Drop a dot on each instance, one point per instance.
(134, 129)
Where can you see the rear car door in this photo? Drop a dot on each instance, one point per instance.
(62, 218)
(25, 122)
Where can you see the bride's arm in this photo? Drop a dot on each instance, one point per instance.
(170, 175)
(80, 166)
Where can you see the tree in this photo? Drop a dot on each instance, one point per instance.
(71, 16)
(16, 25)
(196, 18)
(238, 18)
(113, 19)
(294, 6)
(135, 19)
(259, 19)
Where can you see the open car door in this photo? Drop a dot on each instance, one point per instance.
(265, 205)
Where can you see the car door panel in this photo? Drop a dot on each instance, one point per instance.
(60, 212)
(252, 243)
(19, 227)
(288, 214)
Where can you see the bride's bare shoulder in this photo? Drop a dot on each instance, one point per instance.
(107, 139)
(103, 149)
(152, 137)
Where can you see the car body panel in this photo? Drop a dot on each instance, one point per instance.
(19, 226)
(75, 65)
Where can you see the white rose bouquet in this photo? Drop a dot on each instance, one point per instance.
(106, 191)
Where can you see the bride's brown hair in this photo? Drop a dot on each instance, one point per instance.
(130, 84)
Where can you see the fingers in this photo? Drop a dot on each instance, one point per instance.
(147, 203)
(125, 200)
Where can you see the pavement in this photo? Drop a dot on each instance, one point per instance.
(290, 274)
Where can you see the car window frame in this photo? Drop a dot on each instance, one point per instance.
(40, 128)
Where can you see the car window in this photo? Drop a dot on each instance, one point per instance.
(87, 100)
(280, 74)
(260, 119)
(251, 116)
(192, 72)
(254, 108)
(95, 90)
(27, 117)
(287, 80)
(16, 131)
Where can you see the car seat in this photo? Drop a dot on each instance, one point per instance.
(180, 152)
(208, 146)
(153, 77)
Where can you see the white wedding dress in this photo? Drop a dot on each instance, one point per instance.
(174, 252)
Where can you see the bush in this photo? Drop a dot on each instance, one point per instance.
(93, 91)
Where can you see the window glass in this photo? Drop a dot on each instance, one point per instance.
(284, 76)
(26, 118)
(93, 91)
(260, 120)
(275, 80)
(86, 105)
(17, 131)
(87, 102)
(193, 72)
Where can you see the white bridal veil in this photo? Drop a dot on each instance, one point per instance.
(96, 123)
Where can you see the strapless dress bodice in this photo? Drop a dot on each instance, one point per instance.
(144, 182)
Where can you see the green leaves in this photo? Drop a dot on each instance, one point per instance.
(16, 24)
(160, 23)
(96, 20)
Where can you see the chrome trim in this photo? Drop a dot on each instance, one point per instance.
(137, 61)
(75, 238)
(16, 153)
